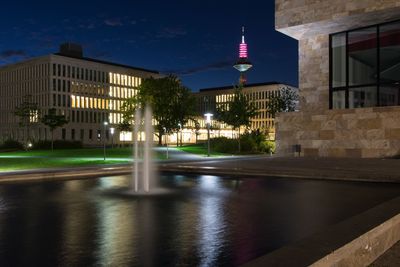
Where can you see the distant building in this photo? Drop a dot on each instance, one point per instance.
(258, 93)
(349, 73)
(87, 91)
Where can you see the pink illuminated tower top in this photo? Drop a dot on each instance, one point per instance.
(243, 64)
(243, 47)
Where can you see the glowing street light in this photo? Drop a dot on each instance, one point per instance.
(112, 130)
(104, 140)
(208, 123)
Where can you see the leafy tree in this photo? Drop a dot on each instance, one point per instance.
(53, 121)
(170, 101)
(183, 108)
(28, 114)
(285, 101)
(197, 130)
(238, 112)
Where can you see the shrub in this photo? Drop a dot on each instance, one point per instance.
(267, 147)
(12, 144)
(223, 145)
(250, 142)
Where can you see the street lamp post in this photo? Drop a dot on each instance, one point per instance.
(208, 122)
(104, 140)
(177, 135)
(166, 139)
(112, 130)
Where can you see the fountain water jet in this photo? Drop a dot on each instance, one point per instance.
(147, 172)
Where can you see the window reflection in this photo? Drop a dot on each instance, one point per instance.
(362, 97)
(362, 56)
(339, 99)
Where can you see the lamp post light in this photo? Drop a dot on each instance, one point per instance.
(112, 130)
(208, 123)
(104, 140)
(166, 139)
(179, 141)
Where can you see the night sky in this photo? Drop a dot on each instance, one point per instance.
(196, 40)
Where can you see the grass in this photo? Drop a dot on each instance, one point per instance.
(199, 149)
(38, 159)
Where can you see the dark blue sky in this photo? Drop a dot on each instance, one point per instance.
(198, 40)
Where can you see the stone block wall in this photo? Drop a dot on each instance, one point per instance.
(314, 73)
(366, 133)
(304, 18)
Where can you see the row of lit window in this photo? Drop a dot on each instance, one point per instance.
(115, 118)
(252, 96)
(125, 80)
(224, 98)
(89, 102)
(95, 103)
(122, 92)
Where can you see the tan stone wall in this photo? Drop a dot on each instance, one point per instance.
(368, 132)
(299, 18)
(314, 73)
(371, 132)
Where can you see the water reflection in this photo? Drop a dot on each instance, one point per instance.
(212, 226)
(206, 221)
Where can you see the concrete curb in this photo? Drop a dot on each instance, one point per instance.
(365, 249)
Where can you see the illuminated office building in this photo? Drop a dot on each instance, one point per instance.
(87, 91)
(258, 93)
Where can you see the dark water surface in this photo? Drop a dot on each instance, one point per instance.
(205, 221)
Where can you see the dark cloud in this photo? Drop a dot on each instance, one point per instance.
(170, 33)
(113, 22)
(213, 66)
(13, 53)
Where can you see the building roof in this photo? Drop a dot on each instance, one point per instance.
(245, 86)
(107, 63)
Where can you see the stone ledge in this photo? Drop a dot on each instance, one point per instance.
(357, 241)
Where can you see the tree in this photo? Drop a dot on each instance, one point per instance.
(197, 129)
(170, 101)
(284, 101)
(53, 121)
(28, 114)
(238, 112)
(183, 108)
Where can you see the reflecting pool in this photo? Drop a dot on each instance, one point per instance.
(201, 221)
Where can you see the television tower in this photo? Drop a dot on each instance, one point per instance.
(243, 64)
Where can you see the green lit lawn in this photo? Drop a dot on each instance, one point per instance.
(38, 159)
(199, 149)
(12, 164)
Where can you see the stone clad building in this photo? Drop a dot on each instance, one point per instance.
(349, 78)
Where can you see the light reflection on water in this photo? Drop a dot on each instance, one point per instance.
(203, 221)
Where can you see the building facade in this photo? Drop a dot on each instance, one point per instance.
(87, 91)
(258, 93)
(349, 78)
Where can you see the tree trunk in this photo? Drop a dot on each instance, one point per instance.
(239, 140)
(52, 140)
(159, 138)
(177, 138)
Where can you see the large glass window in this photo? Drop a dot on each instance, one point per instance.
(365, 67)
